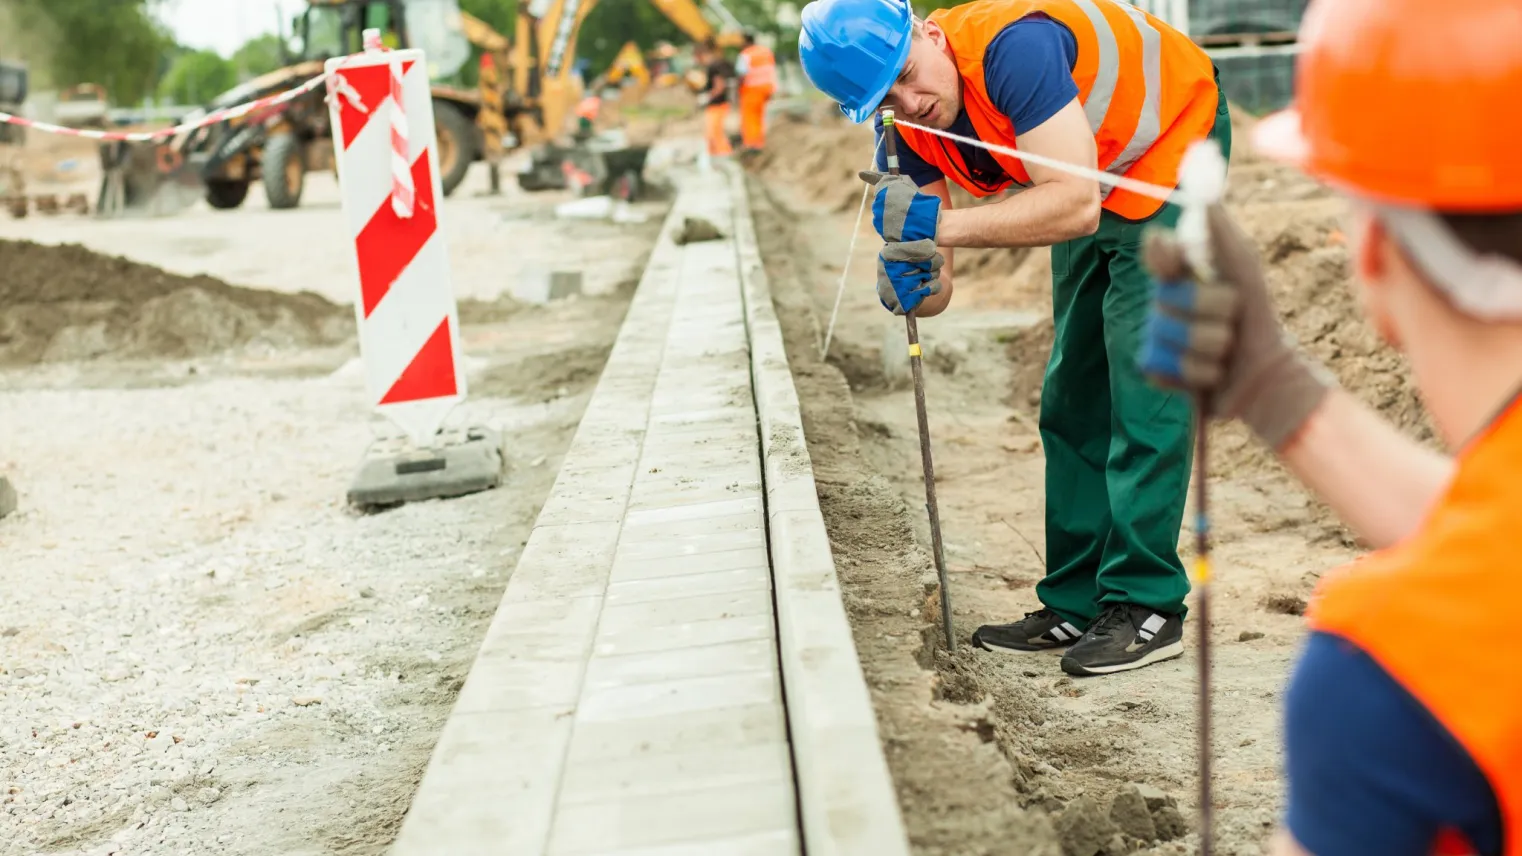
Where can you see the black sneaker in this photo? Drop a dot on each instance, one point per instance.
(1037, 631)
(1125, 637)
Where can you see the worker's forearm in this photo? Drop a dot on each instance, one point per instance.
(1379, 481)
(1038, 217)
(935, 304)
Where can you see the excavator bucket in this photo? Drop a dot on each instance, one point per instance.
(146, 179)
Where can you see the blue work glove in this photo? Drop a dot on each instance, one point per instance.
(909, 266)
(1221, 337)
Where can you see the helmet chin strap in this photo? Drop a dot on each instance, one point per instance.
(1485, 287)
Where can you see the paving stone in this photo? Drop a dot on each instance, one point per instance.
(741, 725)
(653, 495)
(688, 585)
(778, 842)
(504, 679)
(688, 817)
(490, 786)
(676, 772)
(663, 698)
(626, 569)
(565, 561)
(691, 527)
(545, 629)
(659, 616)
(715, 632)
(694, 545)
(694, 511)
(755, 655)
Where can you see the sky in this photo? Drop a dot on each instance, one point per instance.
(224, 25)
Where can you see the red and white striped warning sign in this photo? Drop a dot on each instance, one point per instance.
(409, 332)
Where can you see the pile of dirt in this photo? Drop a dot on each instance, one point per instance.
(66, 303)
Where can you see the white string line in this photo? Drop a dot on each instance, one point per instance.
(845, 269)
(1144, 188)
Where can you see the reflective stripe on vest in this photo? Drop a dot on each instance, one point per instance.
(762, 67)
(1142, 122)
(1453, 581)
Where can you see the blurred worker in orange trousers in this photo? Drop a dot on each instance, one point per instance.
(719, 74)
(757, 70)
(1403, 725)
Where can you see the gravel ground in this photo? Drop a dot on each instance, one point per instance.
(202, 649)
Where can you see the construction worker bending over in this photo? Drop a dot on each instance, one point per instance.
(718, 73)
(1403, 724)
(757, 70)
(1097, 83)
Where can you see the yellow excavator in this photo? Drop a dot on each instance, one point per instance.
(633, 63)
(613, 168)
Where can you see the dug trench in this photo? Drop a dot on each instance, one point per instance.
(995, 753)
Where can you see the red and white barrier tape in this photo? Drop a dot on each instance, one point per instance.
(403, 194)
(211, 118)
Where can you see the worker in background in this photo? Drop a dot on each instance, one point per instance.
(757, 70)
(1047, 77)
(586, 113)
(718, 75)
(1403, 726)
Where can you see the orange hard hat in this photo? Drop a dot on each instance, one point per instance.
(1399, 101)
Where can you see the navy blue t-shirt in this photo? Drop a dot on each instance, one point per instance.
(1028, 69)
(1370, 769)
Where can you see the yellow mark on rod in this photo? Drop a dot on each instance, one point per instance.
(1202, 570)
(914, 349)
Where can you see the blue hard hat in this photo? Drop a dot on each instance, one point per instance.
(853, 50)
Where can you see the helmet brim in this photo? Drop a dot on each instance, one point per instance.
(869, 105)
(1279, 137)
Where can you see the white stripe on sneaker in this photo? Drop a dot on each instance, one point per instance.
(1059, 634)
(1153, 624)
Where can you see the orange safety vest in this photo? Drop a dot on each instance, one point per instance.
(761, 67)
(1456, 578)
(1142, 121)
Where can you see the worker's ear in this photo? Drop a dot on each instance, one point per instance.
(934, 33)
(1376, 259)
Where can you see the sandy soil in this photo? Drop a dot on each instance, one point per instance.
(1004, 754)
(202, 650)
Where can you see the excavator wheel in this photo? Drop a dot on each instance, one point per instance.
(457, 143)
(284, 170)
(224, 195)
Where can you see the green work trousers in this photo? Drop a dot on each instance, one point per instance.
(1118, 449)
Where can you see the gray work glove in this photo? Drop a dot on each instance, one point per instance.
(1221, 337)
(909, 266)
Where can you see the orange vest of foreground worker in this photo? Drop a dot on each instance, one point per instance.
(760, 69)
(1142, 120)
(1457, 578)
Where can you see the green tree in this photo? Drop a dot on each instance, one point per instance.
(500, 14)
(116, 44)
(198, 77)
(258, 56)
(610, 25)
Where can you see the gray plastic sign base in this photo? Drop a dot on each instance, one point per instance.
(395, 471)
